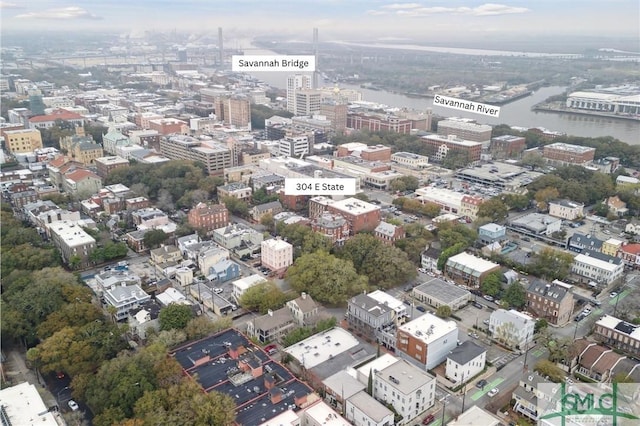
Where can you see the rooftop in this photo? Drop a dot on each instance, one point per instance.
(614, 323)
(369, 304)
(385, 298)
(428, 327)
(322, 347)
(466, 352)
(354, 206)
(276, 244)
(249, 281)
(22, 405)
(405, 377)
(343, 384)
(598, 260)
(72, 234)
(452, 140)
(476, 416)
(551, 291)
(367, 404)
(536, 222)
(470, 262)
(443, 291)
(569, 148)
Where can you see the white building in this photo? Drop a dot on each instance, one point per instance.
(512, 328)
(410, 390)
(598, 267)
(294, 146)
(363, 410)
(72, 241)
(566, 209)
(410, 159)
(125, 298)
(22, 405)
(242, 285)
(427, 340)
(294, 83)
(476, 416)
(465, 361)
(448, 200)
(276, 254)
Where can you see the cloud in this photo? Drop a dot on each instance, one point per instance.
(416, 10)
(64, 13)
(6, 5)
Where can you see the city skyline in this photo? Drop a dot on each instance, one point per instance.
(438, 21)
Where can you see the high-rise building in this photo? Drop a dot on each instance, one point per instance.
(307, 102)
(294, 83)
(234, 111)
(294, 146)
(36, 103)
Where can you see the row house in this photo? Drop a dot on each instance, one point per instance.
(553, 302)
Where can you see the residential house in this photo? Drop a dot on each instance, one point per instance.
(273, 208)
(81, 183)
(361, 409)
(511, 328)
(209, 255)
(617, 206)
(243, 284)
(526, 395)
(553, 302)
(491, 232)
(271, 327)
(238, 238)
(619, 334)
(332, 226)
(304, 310)
(125, 298)
(476, 416)
(166, 254)
(630, 255)
(429, 258)
(469, 206)
(367, 316)
(143, 319)
(388, 233)
(579, 242)
(135, 240)
(597, 362)
(611, 247)
(223, 271)
(632, 228)
(341, 386)
(465, 362)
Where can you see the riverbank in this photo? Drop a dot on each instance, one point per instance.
(559, 107)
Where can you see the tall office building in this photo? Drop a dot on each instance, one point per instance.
(294, 83)
(234, 111)
(307, 102)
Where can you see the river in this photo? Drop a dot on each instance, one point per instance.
(517, 113)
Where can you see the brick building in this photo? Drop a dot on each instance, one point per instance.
(360, 215)
(208, 217)
(364, 151)
(105, 165)
(567, 154)
(465, 130)
(378, 122)
(507, 146)
(332, 226)
(442, 145)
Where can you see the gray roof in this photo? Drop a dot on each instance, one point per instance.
(268, 206)
(588, 241)
(343, 384)
(554, 292)
(278, 318)
(369, 304)
(466, 352)
(601, 256)
(408, 377)
(386, 229)
(441, 290)
(369, 405)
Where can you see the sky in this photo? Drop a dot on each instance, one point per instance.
(339, 19)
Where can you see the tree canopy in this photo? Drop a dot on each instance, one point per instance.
(326, 278)
(175, 316)
(515, 295)
(492, 284)
(262, 297)
(551, 264)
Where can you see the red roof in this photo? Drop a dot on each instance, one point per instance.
(80, 174)
(631, 248)
(57, 162)
(59, 114)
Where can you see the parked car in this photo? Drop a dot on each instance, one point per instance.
(217, 290)
(480, 384)
(430, 418)
(487, 297)
(613, 294)
(477, 305)
(421, 309)
(485, 322)
(271, 349)
(493, 392)
(73, 405)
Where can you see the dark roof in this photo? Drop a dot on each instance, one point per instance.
(625, 327)
(432, 253)
(603, 257)
(588, 241)
(151, 306)
(441, 290)
(222, 373)
(466, 352)
(547, 290)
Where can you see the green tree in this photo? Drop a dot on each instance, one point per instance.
(545, 195)
(541, 324)
(398, 185)
(263, 297)
(449, 252)
(601, 209)
(236, 207)
(492, 284)
(325, 278)
(361, 196)
(443, 311)
(155, 237)
(69, 315)
(495, 209)
(203, 326)
(551, 264)
(268, 222)
(549, 369)
(515, 295)
(535, 161)
(175, 316)
(516, 201)
(453, 234)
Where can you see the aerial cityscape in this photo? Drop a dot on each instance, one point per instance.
(329, 213)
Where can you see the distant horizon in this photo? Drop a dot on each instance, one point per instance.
(438, 21)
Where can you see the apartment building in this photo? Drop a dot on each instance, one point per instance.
(597, 267)
(512, 328)
(377, 122)
(296, 83)
(208, 216)
(566, 209)
(22, 141)
(468, 269)
(238, 190)
(442, 145)
(507, 146)
(234, 111)
(618, 334)
(465, 362)
(105, 165)
(74, 244)
(553, 302)
(276, 254)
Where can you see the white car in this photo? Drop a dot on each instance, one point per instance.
(493, 392)
(613, 294)
(73, 405)
(217, 290)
